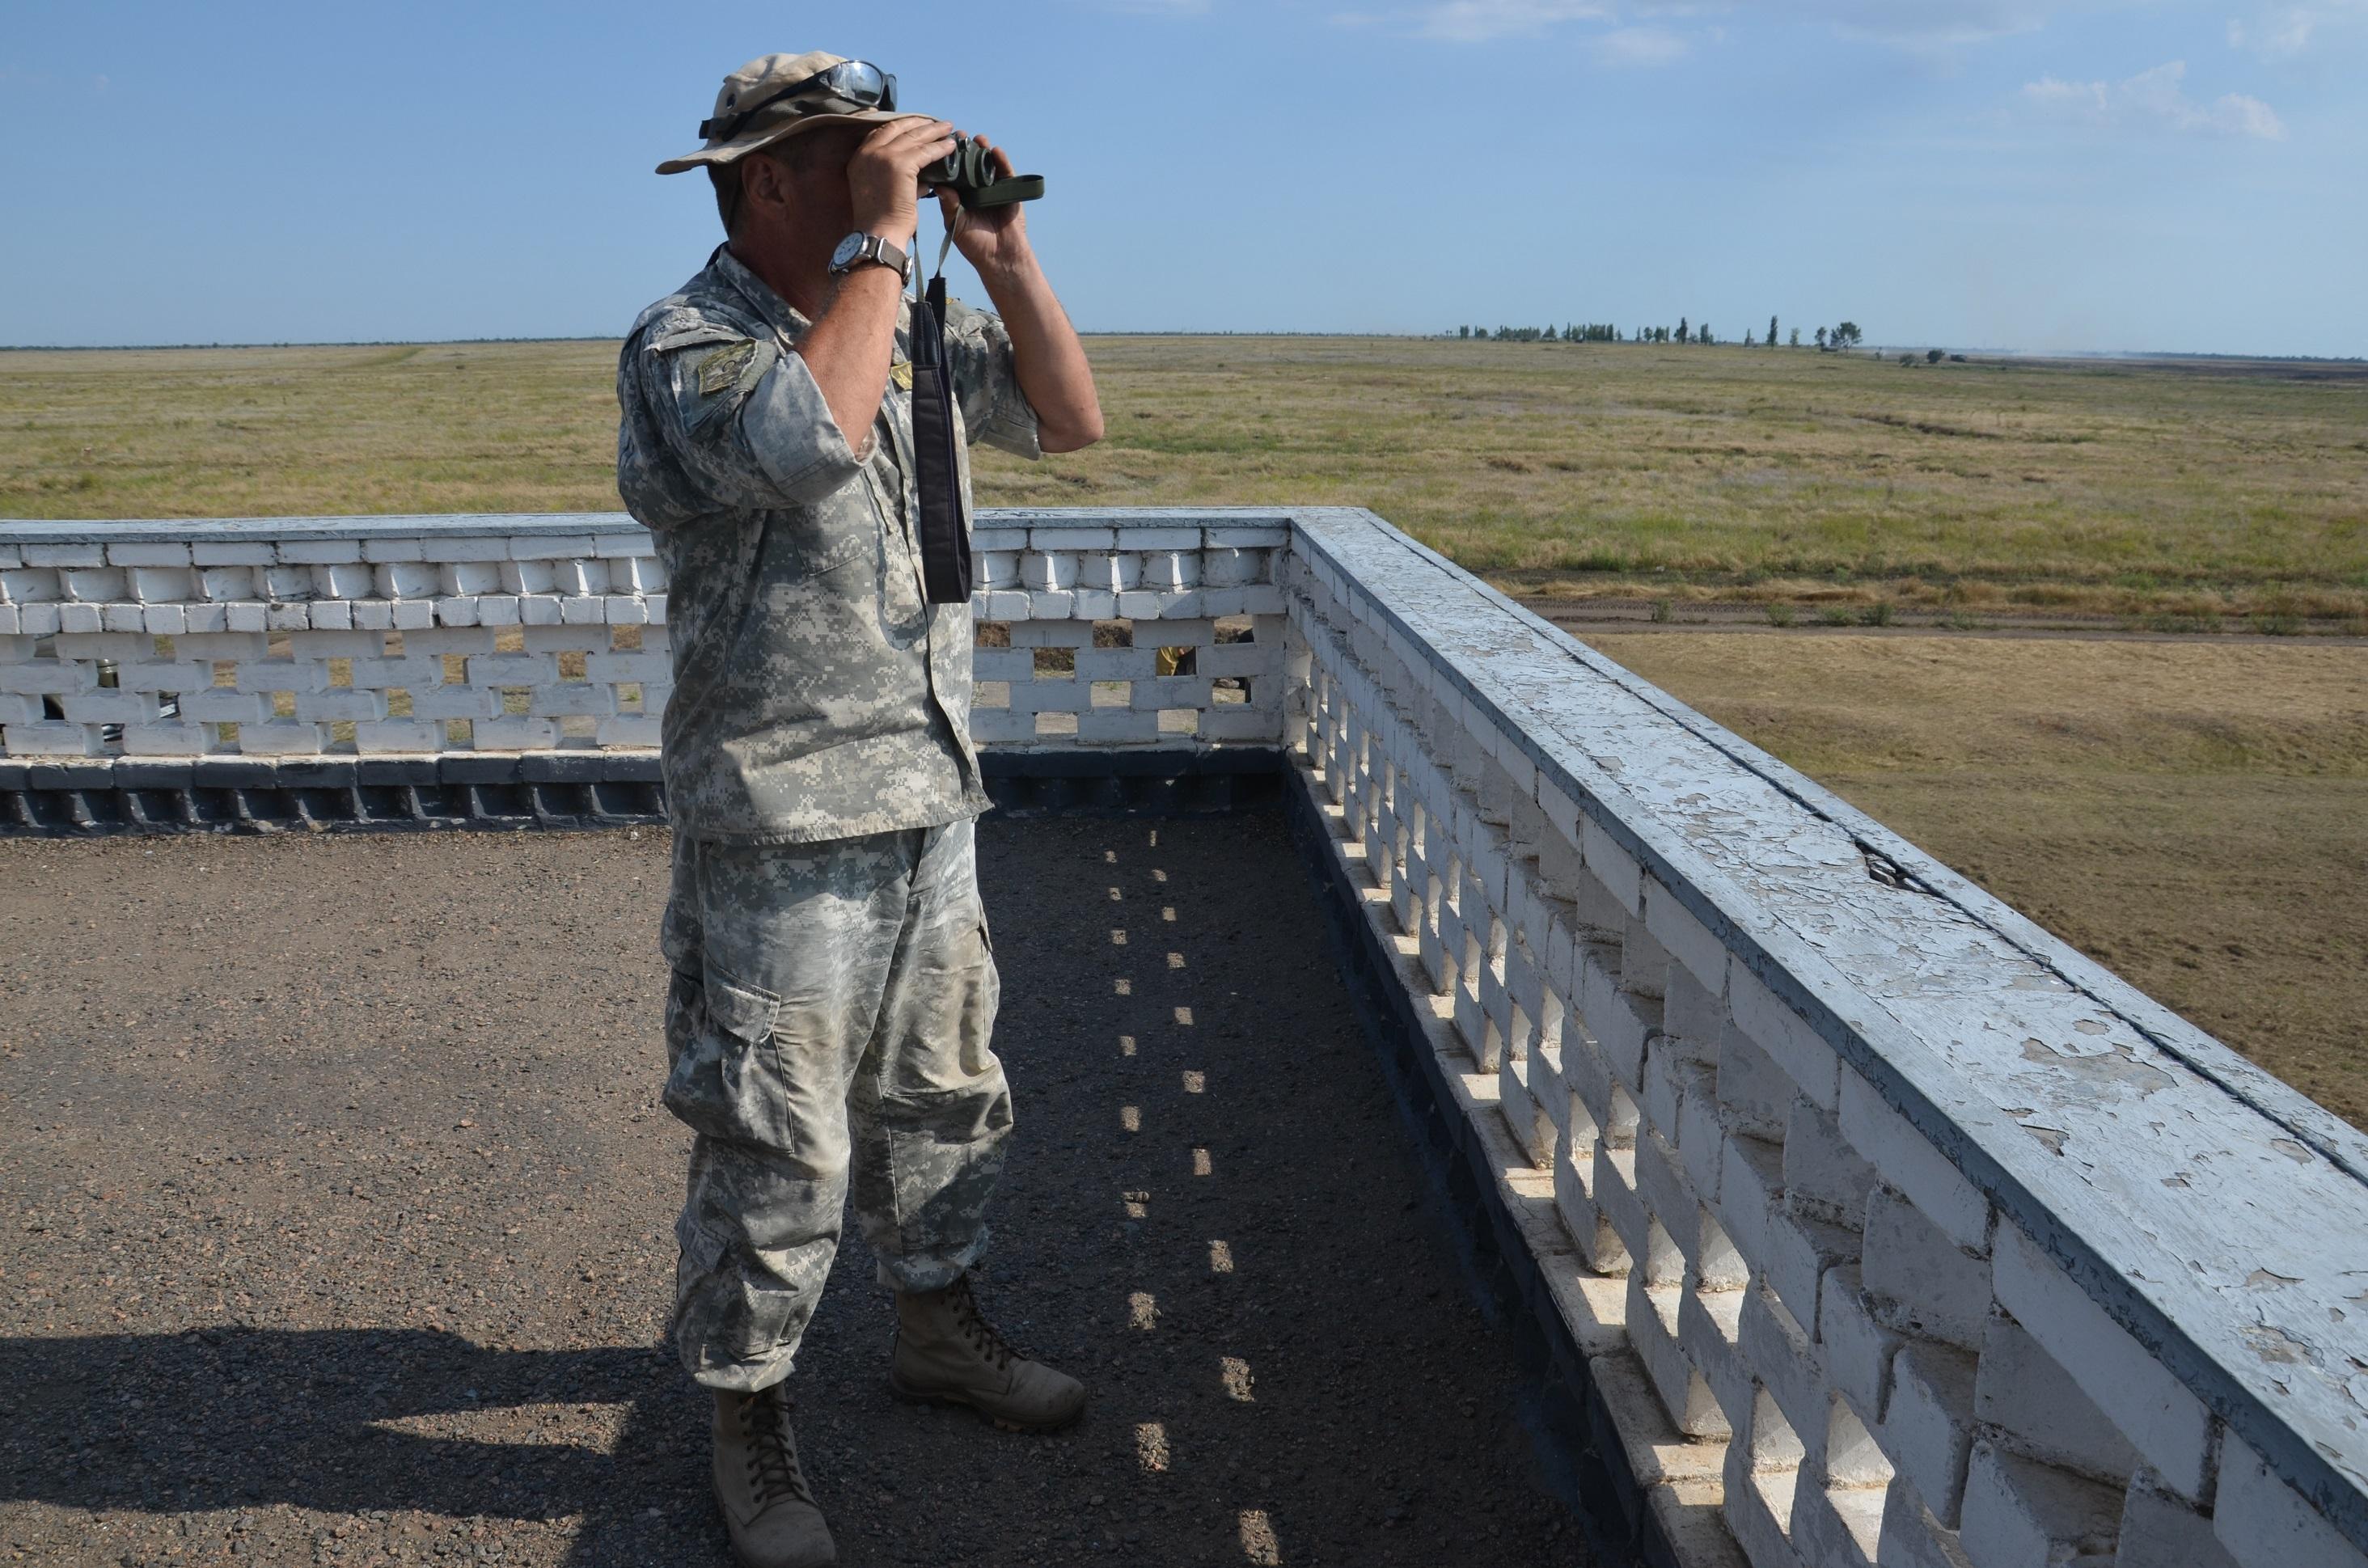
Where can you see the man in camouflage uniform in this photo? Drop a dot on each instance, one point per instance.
(833, 988)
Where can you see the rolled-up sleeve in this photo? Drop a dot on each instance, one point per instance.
(746, 422)
(986, 380)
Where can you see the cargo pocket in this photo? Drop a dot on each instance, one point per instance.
(726, 1080)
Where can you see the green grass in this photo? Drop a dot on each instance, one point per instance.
(2201, 491)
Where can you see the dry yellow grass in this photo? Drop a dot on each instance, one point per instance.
(1563, 469)
(2195, 815)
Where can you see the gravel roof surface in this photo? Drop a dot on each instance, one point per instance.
(338, 1211)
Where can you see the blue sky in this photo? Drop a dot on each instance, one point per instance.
(2032, 173)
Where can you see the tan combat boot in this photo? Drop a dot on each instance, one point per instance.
(767, 1504)
(947, 1353)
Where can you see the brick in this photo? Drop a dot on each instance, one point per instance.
(320, 552)
(1798, 1254)
(280, 738)
(1923, 1284)
(572, 698)
(2019, 1514)
(2038, 1412)
(2162, 1531)
(398, 736)
(2264, 1523)
(325, 706)
(1779, 1355)
(1753, 1093)
(51, 738)
(147, 552)
(1613, 866)
(1839, 1527)
(1748, 1187)
(455, 702)
(1912, 1538)
(1683, 936)
(168, 739)
(514, 734)
(1783, 1035)
(233, 552)
(631, 730)
(1824, 1177)
(512, 669)
(217, 706)
(633, 668)
(2161, 1419)
(90, 554)
(45, 676)
(1891, 1144)
(100, 707)
(1928, 1427)
(1692, 1010)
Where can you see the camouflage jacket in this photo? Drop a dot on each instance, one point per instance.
(817, 694)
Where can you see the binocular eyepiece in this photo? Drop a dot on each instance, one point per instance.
(969, 171)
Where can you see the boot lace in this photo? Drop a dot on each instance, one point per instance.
(982, 1336)
(773, 1471)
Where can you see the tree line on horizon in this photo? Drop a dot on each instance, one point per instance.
(1846, 336)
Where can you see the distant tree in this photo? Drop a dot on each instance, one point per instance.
(1702, 333)
(1934, 356)
(1796, 338)
(1821, 340)
(1463, 332)
(1682, 329)
(1907, 358)
(1747, 339)
(1771, 332)
(1847, 335)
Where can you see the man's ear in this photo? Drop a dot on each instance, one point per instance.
(764, 185)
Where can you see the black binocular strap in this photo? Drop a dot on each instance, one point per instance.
(945, 532)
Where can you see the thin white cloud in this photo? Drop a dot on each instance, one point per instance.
(2155, 99)
(2281, 32)
(1642, 46)
(1479, 21)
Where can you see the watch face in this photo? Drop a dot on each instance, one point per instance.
(849, 249)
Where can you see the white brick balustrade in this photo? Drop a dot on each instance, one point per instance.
(1895, 1230)
(304, 636)
(1891, 1231)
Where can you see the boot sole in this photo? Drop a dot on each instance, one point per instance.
(964, 1402)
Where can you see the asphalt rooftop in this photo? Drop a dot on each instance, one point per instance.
(338, 1225)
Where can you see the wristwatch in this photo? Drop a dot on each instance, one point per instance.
(861, 250)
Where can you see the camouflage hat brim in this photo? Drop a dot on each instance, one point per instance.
(740, 146)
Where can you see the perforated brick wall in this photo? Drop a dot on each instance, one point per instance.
(421, 636)
(1687, 1003)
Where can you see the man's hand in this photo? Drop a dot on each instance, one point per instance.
(994, 238)
(883, 178)
(1045, 353)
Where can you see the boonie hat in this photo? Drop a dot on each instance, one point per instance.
(770, 73)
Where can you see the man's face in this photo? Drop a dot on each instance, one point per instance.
(817, 170)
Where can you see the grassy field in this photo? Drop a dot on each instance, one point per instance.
(2156, 490)
(2193, 814)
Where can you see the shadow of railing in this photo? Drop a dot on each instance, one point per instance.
(227, 1418)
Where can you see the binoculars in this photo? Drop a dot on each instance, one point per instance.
(969, 171)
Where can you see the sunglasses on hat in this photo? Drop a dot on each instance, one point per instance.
(857, 82)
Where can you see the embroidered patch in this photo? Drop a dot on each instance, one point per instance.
(719, 370)
(901, 372)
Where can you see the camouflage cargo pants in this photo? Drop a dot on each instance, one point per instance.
(827, 1027)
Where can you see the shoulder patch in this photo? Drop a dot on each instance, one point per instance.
(721, 368)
